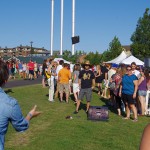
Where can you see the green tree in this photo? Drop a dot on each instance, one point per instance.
(141, 37)
(66, 55)
(94, 58)
(114, 50)
(105, 56)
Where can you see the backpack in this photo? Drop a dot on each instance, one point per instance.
(112, 85)
(48, 75)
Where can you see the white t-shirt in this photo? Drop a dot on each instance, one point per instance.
(110, 73)
(59, 67)
(137, 73)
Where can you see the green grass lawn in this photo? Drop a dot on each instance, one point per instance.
(51, 131)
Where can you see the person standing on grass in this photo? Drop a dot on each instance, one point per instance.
(87, 83)
(64, 76)
(104, 74)
(13, 68)
(99, 79)
(137, 73)
(20, 69)
(24, 70)
(10, 110)
(52, 73)
(75, 77)
(128, 90)
(35, 69)
(142, 91)
(44, 67)
(59, 67)
(31, 70)
(117, 78)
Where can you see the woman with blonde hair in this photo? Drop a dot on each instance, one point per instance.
(142, 89)
(98, 78)
(75, 77)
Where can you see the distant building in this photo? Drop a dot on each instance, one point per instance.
(22, 51)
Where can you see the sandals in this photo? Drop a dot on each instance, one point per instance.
(75, 112)
(126, 118)
(135, 120)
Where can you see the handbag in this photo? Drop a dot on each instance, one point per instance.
(112, 85)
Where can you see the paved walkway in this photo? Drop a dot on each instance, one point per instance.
(21, 82)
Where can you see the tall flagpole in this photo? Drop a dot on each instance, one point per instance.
(61, 26)
(52, 27)
(73, 24)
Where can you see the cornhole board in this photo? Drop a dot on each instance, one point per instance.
(98, 113)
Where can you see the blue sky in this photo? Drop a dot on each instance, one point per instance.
(96, 22)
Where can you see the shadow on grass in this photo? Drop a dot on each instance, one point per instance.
(113, 109)
(8, 91)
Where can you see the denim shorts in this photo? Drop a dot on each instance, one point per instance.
(142, 93)
(87, 92)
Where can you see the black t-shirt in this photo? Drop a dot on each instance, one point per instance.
(103, 70)
(86, 77)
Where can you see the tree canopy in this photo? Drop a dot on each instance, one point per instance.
(141, 37)
(114, 50)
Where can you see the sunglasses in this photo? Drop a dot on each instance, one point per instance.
(129, 69)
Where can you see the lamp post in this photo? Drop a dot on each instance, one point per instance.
(52, 27)
(61, 25)
(73, 24)
(31, 48)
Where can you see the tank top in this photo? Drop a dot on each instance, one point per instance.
(142, 86)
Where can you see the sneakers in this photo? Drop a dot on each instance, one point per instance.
(75, 112)
(126, 118)
(51, 100)
(135, 120)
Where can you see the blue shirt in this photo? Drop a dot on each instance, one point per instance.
(128, 84)
(10, 112)
(20, 66)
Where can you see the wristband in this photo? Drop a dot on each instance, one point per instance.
(29, 114)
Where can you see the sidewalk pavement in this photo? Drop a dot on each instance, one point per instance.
(22, 82)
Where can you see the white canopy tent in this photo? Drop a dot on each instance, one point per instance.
(58, 59)
(118, 59)
(131, 59)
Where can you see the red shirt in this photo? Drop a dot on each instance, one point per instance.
(31, 65)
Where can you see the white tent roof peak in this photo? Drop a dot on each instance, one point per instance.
(58, 59)
(118, 59)
(131, 59)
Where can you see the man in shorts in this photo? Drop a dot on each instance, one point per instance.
(87, 83)
(64, 76)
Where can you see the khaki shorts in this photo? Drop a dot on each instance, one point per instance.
(63, 87)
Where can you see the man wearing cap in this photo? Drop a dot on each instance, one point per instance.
(86, 83)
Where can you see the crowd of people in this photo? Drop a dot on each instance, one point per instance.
(118, 85)
(122, 86)
(26, 70)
